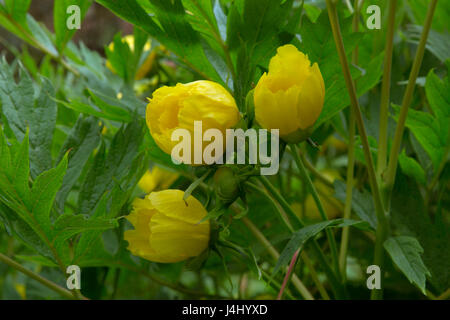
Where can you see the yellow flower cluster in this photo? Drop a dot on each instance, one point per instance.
(289, 97)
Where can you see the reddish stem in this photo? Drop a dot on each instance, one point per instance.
(288, 274)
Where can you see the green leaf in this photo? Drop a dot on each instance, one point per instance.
(175, 32)
(419, 11)
(41, 36)
(253, 35)
(221, 19)
(60, 16)
(409, 217)
(41, 120)
(318, 43)
(427, 131)
(119, 112)
(29, 210)
(362, 202)
(110, 167)
(110, 205)
(81, 142)
(411, 168)
(68, 225)
(17, 98)
(77, 105)
(9, 24)
(122, 59)
(18, 9)
(300, 237)
(406, 254)
(437, 43)
(22, 111)
(438, 95)
(43, 194)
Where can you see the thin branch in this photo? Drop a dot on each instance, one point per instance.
(381, 217)
(49, 284)
(389, 178)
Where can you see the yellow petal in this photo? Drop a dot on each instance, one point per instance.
(179, 107)
(177, 240)
(170, 202)
(163, 178)
(311, 99)
(147, 182)
(277, 110)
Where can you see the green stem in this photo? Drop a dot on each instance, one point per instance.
(314, 171)
(261, 238)
(385, 90)
(389, 178)
(314, 275)
(275, 284)
(348, 195)
(219, 40)
(280, 199)
(289, 271)
(289, 226)
(350, 164)
(315, 195)
(173, 286)
(49, 284)
(435, 179)
(195, 184)
(274, 253)
(317, 250)
(381, 217)
(281, 214)
(444, 295)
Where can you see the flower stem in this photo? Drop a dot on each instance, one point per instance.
(314, 276)
(281, 214)
(314, 171)
(280, 199)
(314, 245)
(195, 184)
(389, 178)
(49, 284)
(444, 295)
(274, 253)
(312, 189)
(385, 90)
(381, 217)
(270, 248)
(288, 274)
(350, 163)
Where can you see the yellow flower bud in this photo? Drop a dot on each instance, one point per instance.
(332, 206)
(166, 227)
(178, 107)
(146, 66)
(157, 179)
(290, 96)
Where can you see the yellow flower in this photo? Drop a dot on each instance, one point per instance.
(290, 96)
(167, 228)
(157, 179)
(332, 141)
(145, 66)
(178, 107)
(21, 290)
(332, 206)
